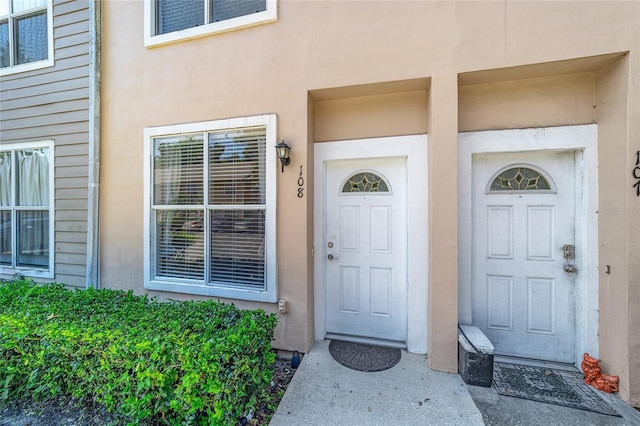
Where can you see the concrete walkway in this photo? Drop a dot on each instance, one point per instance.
(500, 410)
(324, 392)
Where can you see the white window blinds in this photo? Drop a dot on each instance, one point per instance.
(218, 238)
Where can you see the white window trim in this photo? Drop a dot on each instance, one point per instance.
(34, 272)
(269, 294)
(151, 40)
(30, 66)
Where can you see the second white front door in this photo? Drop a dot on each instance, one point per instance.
(366, 248)
(523, 215)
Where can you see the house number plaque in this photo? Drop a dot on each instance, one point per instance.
(300, 184)
(636, 174)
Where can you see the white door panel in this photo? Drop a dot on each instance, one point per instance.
(521, 296)
(366, 238)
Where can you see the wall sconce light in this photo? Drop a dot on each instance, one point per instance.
(283, 154)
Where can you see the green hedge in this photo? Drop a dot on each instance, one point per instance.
(174, 362)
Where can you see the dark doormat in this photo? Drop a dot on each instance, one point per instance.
(547, 385)
(359, 356)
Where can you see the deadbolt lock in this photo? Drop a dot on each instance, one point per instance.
(569, 251)
(330, 245)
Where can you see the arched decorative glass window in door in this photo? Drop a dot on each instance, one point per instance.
(521, 178)
(365, 182)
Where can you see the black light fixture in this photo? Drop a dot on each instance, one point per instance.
(283, 154)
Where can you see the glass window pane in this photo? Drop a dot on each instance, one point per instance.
(31, 38)
(4, 8)
(180, 244)
(4, 45)
(5, 178)
(33, 238)
(176, 15)
(228, 9)
(365, 182)
(21, 5)
(237, 167)
(237, 248)
(5, 237)
(520, 179)
(178, 170)
(33, 177)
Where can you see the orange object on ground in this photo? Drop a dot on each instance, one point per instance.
(594, 377)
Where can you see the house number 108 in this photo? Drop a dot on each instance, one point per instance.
(300, 184)
(636, 174)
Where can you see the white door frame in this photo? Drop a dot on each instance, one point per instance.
(414, 149)
(583, 140)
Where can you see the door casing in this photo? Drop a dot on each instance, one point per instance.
(414, 149)
(581, 139)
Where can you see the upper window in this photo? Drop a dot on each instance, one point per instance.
(168, 21)
(520, 178)
(211, 208)
(26, 35)
(26, 216)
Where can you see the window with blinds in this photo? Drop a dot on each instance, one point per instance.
(209, 208)
(167, 21)
(176, 15)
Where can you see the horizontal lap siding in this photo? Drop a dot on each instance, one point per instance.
(53, 103)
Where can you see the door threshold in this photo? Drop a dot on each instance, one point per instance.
(366, 340)
(536, 363)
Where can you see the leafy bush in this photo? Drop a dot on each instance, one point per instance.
(175, 362)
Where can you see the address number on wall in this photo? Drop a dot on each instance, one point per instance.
(636, 174)
(300, 184)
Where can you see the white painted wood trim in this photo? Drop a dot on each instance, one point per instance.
(49, 62)
(414, 148)
(34, 272)
(583, 140)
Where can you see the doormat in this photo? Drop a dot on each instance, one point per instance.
(541, 384)
(359, 356)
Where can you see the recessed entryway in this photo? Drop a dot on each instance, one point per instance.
(527, 240)
(371, 241)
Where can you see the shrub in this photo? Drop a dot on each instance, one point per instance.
(174, 362)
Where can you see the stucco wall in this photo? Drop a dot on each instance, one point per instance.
(615, 287)
(325, 69)
(534, 102)
(392, 114)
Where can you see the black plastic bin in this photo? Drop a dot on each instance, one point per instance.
(475, 356)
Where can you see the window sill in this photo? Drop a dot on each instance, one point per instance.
(215, 291)
(31, 66)
(26, 272)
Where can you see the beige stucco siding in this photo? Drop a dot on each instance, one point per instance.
(516, 104)
(53, 104)
(335, 70)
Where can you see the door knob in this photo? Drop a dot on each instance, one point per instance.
(331, 257)
(570, 269)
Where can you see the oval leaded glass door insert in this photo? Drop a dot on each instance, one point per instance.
(365, 182)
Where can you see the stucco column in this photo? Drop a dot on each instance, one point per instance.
(443, 222)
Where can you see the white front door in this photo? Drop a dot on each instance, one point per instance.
(366, 248)
(523, 213)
